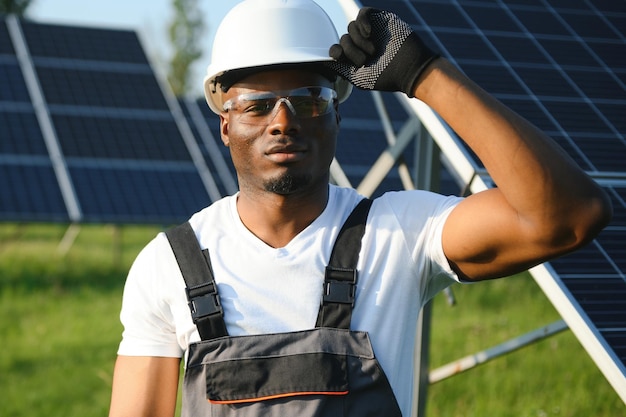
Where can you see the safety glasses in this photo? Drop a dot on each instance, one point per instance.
(261, 107)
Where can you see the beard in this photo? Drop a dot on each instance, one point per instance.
(288, 183)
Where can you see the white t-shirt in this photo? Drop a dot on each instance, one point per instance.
(268, 290)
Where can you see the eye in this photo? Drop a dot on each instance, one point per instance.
(310, 106)
(303, 103)
(258, 107)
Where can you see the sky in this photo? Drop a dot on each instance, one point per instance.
(150, 19)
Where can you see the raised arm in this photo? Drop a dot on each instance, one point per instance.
(144, 386)
(544, 205)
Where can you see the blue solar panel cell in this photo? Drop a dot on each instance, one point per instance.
(20, 134)
(55, 41)
(577, 117)
(12, 87)
(440, 14)
(539, 21)
(615, 114)
(607, 154)
(597, 84)
(494, 78)
(518, 49)
(6, 47)
(588, 25)
(535, 3)
(101, 89)
(466, 45)
(613, 55)
(568, 53)
(490, 17)
(617, 23)
(610, 5)
(30, 193)
(579, 5)
(544, 82)
(118, 138)
(602, 299)
(139, 196)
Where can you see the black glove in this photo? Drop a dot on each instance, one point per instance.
(381, 52)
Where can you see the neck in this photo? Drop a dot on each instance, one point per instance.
(276, 219)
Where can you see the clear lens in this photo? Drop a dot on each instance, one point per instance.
(260, 107)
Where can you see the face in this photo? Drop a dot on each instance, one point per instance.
(283, 153)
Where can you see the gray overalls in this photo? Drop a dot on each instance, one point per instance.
(326, 371)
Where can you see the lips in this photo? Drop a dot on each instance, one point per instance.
(286, 153)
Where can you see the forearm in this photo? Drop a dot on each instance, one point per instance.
(537, 178)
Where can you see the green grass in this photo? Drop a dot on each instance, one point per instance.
(59, 326)
(552, 377)
(59, 329)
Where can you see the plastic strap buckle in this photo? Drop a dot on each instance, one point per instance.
(339, 285)
(203, 301)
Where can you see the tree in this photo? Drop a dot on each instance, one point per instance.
(185, 34)
(17, 7)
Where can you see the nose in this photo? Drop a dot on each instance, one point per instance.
(284, 119)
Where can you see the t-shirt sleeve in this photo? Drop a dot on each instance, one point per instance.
(146, 312)
(440, 271)
(421, 216)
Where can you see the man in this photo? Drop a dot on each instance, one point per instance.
(278, 98)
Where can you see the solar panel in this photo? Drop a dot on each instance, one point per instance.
(87, 132)
(562, 65)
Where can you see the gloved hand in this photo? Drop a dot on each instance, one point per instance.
(381, 52)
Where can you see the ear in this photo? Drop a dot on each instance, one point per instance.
(337, 114)
(224, 124)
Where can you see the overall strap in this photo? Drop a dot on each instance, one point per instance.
(341, 274)
(195, 265)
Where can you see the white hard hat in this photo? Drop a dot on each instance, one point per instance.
(260, 33)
